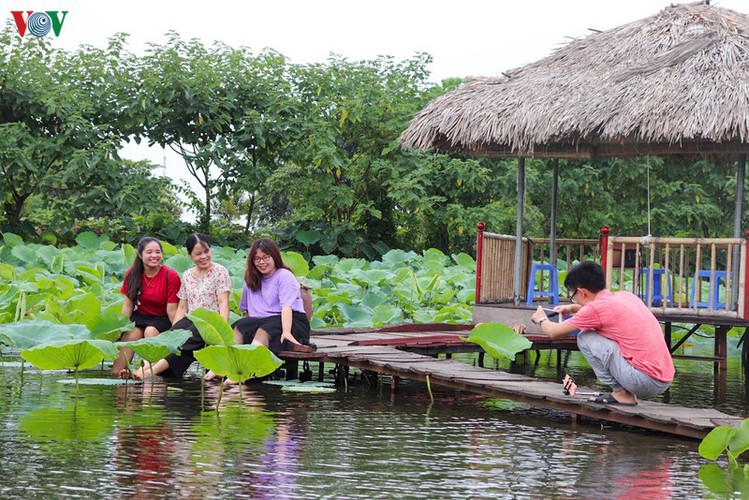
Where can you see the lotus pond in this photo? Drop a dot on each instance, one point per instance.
(169, 440)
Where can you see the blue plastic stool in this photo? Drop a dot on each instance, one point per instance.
(552, 293)
(658, 275)
(715, 299)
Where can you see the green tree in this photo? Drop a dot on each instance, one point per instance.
(221, 109)
(60, 125)
(351, 114)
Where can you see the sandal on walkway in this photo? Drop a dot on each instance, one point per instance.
(607, 398)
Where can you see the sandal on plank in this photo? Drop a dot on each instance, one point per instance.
(607, 398)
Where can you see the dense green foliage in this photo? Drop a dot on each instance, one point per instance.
(306, 152)
(80, 285)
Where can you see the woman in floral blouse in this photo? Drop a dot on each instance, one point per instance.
(206, 285)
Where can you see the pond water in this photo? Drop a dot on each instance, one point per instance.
(144, 441)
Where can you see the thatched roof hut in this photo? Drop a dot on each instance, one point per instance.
(673, 83)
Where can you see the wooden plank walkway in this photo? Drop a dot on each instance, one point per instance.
(389, 352)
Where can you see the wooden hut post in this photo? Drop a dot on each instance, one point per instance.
(605, 254)
(518, 279)
(553, 229)
(479, 254)
(737, 216)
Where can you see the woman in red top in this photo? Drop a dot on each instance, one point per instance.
(150, 290)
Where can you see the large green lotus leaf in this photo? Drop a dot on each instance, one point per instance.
(179, 263)
(435, 260)
(7, 272)
(82, 309)
(70, 354)
(397, 259)
(296, 263)
(212, 327)
(109, 325)
(345, 266)
(499, 340)
(317, 322)
(74, 424)
(128, 254)
(373, 298)
(153, 349)
(370, 277)
(716, 442)
(356, 315)
(238, 362)
(27, 334)
(307, 238)
(46, 254)
(12, 239)
(319, 271)
(386, 315)
(464, 260)
(740, 441)
(90, 240)
(326, 260)
(169, 249)
(25, 254)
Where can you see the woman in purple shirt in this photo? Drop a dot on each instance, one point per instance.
(272, 301)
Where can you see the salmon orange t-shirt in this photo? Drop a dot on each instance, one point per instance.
(624, 318)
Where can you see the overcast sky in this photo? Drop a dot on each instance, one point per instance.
(464, 37)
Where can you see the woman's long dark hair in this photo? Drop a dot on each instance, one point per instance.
(134, 280)
(194, 239)
(252, 276)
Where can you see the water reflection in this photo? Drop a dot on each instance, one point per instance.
(170, 440)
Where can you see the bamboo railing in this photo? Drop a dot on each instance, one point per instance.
(699, 276)
(719, 290)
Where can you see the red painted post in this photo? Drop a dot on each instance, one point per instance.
(604, 238)
(479, 252)
(746, 283)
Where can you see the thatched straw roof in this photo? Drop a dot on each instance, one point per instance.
(676, 82)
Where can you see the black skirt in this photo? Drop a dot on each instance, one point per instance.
(161, 323)
(300, 329)
(178, 364)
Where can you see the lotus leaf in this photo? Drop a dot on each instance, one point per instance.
(25, 254)
(7, 272)
(325, 260)
(397, 259)
(307, 238)
(12, 239)
(296, 263)
(386, 315)
(238, 362)
(128, 253)
(309, 389)
(27, 334)
(109, 325)
(355, 315)
(90, 241)
(153, 349)
(498, 340)
(179, 263)
(71, 354)
(212, 327)
(465, 261)
(168, 249)
(94, 381)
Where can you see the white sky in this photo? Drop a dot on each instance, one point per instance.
(465, 37)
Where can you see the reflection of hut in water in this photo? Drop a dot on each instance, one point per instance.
(672, 84)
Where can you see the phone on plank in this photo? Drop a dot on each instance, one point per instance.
(550, 313)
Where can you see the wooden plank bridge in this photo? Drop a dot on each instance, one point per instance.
(401, 352)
